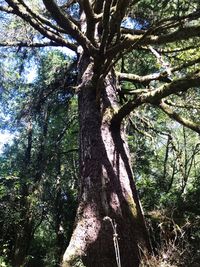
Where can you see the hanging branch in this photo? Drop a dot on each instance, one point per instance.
(166, 157)
(163, 63)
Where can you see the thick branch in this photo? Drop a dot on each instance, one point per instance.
(142, 79)
(182, 106)
(172, 114)
(154, 97)
(90, 15)
(180, 34)
(161, 76)
(117, 17)
(90, 18)
(176, 50)
(130, 40)
(98, 6)
(64, 22)
(105, 25)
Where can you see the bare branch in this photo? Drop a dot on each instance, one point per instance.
(184, 105)
(179, 85)
(164, 64)
(88, 10)
(178, 35)
(172, 114)
(179, 19)
(171, 51)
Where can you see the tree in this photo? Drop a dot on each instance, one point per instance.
(99, 32)
(34, 175)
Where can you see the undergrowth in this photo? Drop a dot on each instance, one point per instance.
(175, 241)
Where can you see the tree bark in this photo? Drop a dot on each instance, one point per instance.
(107, 188)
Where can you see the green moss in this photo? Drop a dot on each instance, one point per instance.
(74, 263)
(132, 206)
(109, 113)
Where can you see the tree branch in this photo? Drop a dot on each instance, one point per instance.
(161, 76)
(184, 105)
(64, 22)
(147, 38)
(41, 18)
(98, 6)
(154, 97)
(90, 18)
(142, 79)
(172, 114)
(116, 19)
(178, 35)
(26, 44)
(19, 10)
(188, 17)
(6, 9)
(105, 24)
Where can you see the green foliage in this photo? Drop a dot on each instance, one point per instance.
(38, 176)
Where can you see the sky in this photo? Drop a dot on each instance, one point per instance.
(5, 137)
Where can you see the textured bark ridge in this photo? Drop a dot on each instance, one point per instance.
(107, 187)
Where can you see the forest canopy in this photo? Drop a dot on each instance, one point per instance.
(102, 101)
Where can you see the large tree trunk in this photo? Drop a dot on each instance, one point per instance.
(107, 191)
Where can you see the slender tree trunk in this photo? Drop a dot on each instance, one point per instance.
(107, 191)
(22, 243)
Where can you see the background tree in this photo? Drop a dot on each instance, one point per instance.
(104, 34)
(37, 174)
